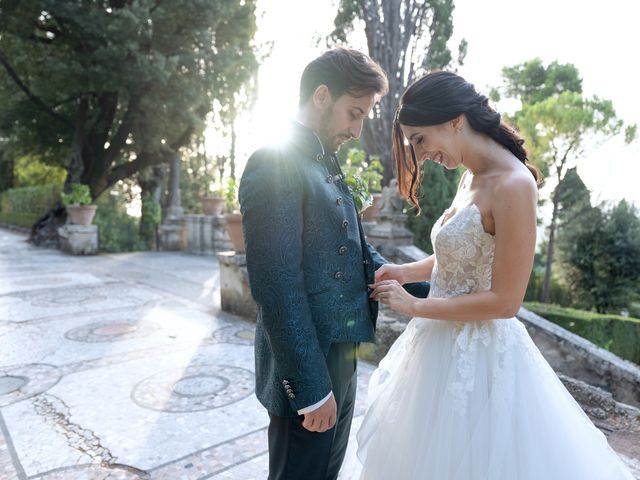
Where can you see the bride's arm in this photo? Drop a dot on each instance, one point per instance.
(419, 271)
(514, 212)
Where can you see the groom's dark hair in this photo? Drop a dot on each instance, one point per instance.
(343, 70)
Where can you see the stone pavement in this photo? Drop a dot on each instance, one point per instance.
(124, 367)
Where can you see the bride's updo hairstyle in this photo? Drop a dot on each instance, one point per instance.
(435, 99)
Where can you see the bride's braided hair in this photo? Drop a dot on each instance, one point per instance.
(438, 98)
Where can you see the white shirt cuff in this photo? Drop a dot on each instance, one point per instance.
(315, 406)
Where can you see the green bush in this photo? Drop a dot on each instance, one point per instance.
(149, 221)
(25, 205)
(29, 171)
(559, 294)
(119, 231)
(619, 335)
(79, 195)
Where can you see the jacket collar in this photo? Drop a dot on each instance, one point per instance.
(305, 139)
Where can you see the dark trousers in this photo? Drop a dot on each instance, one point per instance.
(295, 453)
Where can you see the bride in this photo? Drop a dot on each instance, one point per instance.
(463, 393)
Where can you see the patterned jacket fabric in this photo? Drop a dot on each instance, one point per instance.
(309, 267)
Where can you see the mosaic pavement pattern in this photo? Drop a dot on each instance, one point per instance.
(123, 367)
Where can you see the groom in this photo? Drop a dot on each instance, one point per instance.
(309, 266)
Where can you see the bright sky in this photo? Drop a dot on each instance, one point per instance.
(600, 41)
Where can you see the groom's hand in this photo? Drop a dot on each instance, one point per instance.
(323, 418)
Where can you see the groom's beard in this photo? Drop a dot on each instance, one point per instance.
(330, 141)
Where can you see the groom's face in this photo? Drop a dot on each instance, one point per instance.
(342, 118)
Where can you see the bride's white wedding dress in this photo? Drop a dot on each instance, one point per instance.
(474, 400)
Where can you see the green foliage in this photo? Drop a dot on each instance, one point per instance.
(556, 121)
(119, 232)
(618, 334)
(532, 82)
(600, 257)
(631, 133)
(149, 220)
(137, 78)
(439, 187)
(29, 171)
(6, 168)
(230, 195)
(559, 293)
(574, 199)
(556, 128)
(362, 177)
(407, 39)
(79, 195)
(25, 205)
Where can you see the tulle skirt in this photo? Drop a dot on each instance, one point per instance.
(476, 401)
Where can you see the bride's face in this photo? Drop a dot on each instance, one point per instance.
(438, 143)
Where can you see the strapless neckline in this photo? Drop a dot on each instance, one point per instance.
(472, 206)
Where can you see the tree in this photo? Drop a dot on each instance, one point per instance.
(600, 255)
(6, 169)
(556, 120)
(110, 88)
(532, 82)
(407, 38)
(556, 129)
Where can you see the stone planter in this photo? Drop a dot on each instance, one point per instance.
(212, 205)
(81, 214)
(369, 213)
(78, 239)
(234, 228)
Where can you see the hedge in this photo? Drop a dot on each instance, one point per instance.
(618, 334)
(25, 205)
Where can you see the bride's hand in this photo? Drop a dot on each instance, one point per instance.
(390, 271)
(391, 292)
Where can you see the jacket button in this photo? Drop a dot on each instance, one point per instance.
(291, 395)
(339, 200)
(345, 223)
(329, 178)
(285, 382)
(366, 262)
(342, 250)
(319, 157)
(338, 275)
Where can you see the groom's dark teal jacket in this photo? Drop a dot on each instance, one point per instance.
(309, 267)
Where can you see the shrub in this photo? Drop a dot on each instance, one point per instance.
(149, 221)
(119, 231)
(80, 195)
(25, 205)
(29, 171)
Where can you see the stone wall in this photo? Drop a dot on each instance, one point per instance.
(578, 358)
(206, 234)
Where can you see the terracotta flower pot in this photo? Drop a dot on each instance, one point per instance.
(234, 227)
(212, 205)
(81, 214)
(370, 212)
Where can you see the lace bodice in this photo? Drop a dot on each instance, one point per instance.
(464, 254)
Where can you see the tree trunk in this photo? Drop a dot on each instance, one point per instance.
(546, 286)
(151, 183)
(44, 232)
(392, 29)
(232, 152)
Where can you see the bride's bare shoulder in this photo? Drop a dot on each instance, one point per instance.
(515, 183)
(514, 198)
